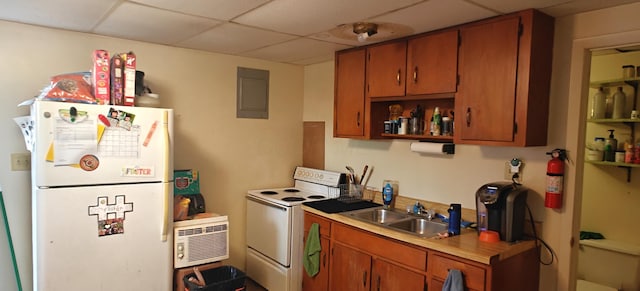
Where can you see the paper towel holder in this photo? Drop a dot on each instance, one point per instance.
(440, 148)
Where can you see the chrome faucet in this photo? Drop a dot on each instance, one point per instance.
(419, 209)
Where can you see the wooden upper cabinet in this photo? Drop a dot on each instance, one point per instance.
(386, 69)
(349, 100)
(432, 63)
(504, 66)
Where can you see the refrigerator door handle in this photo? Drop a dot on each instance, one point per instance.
(167, 191)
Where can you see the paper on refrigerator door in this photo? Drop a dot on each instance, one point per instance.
(74, 140)
(26, 127)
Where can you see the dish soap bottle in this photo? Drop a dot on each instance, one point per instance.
(610, 147)
(387, 195)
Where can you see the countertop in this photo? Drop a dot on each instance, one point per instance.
(466, 245)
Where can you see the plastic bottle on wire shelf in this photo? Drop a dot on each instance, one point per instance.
(619, 102)
(598, 105)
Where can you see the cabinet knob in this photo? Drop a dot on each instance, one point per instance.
(358, 119)
(415, 75)
(398, 77)
(468, 115)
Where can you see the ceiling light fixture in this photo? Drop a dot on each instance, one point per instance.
(364, 30)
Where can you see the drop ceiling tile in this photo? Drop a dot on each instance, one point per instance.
(231, 38)
(578, 6)
(79, 15)
(436, 14)
(512, 6)
(295, 50)
(218, 9)
(133, 21)
(310, 17)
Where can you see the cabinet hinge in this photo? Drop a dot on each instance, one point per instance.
(520, 29)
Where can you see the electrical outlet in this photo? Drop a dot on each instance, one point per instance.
(508, 175)
(20, 161)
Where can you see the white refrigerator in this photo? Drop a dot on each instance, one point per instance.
(102, 197)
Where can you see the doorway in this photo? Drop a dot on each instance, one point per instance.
(610, 192)
(574, 139)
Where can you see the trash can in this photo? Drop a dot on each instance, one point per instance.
(224, 278)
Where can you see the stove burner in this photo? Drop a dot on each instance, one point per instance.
(291, 190)
(269, 192)
(292, 199)
(315, 197)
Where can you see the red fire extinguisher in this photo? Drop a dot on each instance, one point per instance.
(555, 179)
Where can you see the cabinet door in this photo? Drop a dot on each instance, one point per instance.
(350, 269)
(485, 101)
(319, 282)
(432, 63)
(349, 94)
(387, 276)
(386, 66)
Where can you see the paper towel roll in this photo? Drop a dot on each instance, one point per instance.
(432, 148)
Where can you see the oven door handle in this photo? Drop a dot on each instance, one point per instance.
(267, 204)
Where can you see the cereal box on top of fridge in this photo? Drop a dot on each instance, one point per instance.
(129, 78)
(117, 85)
(100, 76)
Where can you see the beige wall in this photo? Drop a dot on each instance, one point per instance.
(455, 179)
(233, 155)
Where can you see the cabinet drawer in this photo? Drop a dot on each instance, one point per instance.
(325, 224)
(381, 246)
(474, 277)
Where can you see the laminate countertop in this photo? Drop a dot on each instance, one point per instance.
(466, 245)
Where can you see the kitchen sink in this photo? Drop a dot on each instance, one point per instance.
(420, 226)
(400, 221)
(379, 215)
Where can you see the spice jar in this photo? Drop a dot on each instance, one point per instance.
(628, 71)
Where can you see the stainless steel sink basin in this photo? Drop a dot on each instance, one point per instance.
(420, 226)
(378, 215)
(399, 221)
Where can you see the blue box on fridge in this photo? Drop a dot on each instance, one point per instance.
(186, 182)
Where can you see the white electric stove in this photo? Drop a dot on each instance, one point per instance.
(275, 227)
(309, 185)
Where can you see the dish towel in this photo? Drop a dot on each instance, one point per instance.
(312, 248)
(454, 281)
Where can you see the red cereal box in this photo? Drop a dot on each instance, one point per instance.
(117, 81)
(100, 77)
(129, 78)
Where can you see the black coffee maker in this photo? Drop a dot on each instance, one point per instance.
(500, 206)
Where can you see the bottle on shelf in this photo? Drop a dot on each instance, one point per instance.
(619, 102)
(610, 147)
(437, 122)
(597, 105)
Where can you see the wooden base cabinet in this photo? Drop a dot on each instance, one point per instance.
(319, 282)
(520, 272)
(361, 260)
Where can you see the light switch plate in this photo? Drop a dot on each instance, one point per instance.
(20, 161)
